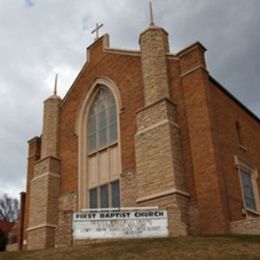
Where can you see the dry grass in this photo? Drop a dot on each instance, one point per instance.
(220, 247)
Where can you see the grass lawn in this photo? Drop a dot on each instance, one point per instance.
(207, 247)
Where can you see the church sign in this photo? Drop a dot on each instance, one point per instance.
(120, 224)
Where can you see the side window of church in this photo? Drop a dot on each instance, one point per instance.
(247, 187)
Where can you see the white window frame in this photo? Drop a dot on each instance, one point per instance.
(246, 167)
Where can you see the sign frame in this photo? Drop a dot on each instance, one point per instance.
(120, 224)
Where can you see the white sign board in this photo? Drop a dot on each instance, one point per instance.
(120, 224)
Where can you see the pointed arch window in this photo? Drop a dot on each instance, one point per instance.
(103, 163)
(102, 121)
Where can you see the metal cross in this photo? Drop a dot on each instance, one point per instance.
(96, 30)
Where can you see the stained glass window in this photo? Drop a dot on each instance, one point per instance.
(102, 121)
(102, 146)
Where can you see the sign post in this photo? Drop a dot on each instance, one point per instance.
(120, 224)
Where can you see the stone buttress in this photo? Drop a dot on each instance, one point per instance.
(45, 182)
(159, 164)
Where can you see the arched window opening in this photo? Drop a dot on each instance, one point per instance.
(102, 151)
(102, 121)
(238, 131)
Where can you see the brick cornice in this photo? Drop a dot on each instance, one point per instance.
(163, 122)
(46, 174)
(34, 139)
(193, 70)
(152, 28)
(163, 194)
(42, 226)
(156, 102)
(48, 157)
(192, 47)
(122, 52)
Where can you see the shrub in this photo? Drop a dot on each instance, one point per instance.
(2, 241)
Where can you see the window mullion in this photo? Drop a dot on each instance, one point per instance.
(107, 121)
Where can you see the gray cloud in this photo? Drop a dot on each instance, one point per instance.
(29, 3)
(42, 37)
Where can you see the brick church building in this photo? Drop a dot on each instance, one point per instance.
(144, 128)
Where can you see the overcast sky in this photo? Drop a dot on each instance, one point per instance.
(42, 37)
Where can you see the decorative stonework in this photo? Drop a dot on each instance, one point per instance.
(45, 184)
(154, 47)
(50, 127)
(158, 150)
(47, 165)
(44, 194)
(160, 175)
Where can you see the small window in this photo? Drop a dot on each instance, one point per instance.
(238, 132)
(248, 191)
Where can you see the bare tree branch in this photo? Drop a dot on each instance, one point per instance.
(9, 208)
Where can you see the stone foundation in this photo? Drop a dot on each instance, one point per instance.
(43, 204)
(194, 224)
(67, 205)
(250, 226)
(41, 238)
(177, 207)
(63, 235)
(12, 247)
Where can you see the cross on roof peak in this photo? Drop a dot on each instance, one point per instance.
(96, 30)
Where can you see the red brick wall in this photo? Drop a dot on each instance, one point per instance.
(126, 72)
(177, 96)
(226, 113)
(196, 116)
(208, 183)
(205, 114)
